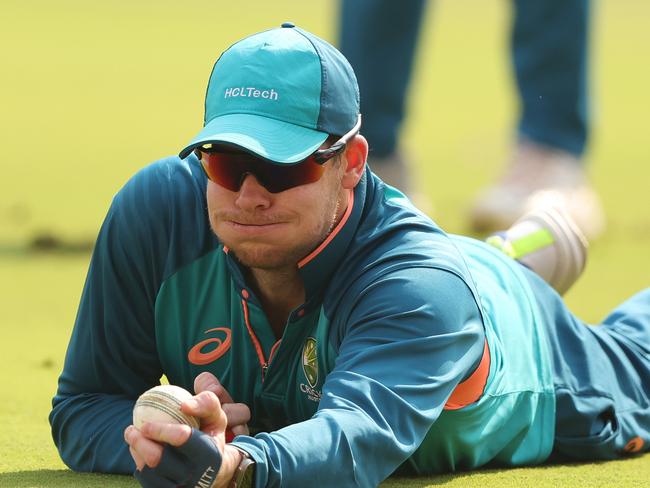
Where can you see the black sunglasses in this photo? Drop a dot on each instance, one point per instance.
(229, 169)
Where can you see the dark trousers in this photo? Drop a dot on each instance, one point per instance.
(549, 46)
(601, 377)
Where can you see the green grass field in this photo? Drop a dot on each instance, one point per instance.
(91, 91)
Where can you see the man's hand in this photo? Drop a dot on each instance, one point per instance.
(238, 414)
(175, 455)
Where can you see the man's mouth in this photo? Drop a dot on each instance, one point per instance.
(254, 224)
(254, 227)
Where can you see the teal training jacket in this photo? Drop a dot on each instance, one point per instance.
(413, 348)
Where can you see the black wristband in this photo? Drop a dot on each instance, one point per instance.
(196, 462)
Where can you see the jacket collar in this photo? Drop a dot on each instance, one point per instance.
(317, 268)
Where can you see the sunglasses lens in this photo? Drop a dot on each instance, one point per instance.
(279, 178)
(225, 169)
(230, 169)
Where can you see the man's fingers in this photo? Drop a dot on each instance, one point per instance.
(143, 450)
(240, 430)
(204, 382)
(172, 434)
(207, 407)
(214, 406)
(238, 414)
(139, 461)
(208, 382)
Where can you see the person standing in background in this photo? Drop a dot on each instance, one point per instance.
(550, 53)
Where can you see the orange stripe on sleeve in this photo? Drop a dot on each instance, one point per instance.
(470, 390)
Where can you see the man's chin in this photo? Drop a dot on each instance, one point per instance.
(263, 257)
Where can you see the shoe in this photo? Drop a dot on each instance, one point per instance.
(535, 171)
(549, 242)
(394, 170)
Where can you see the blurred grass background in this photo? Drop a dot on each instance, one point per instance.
(92, 91)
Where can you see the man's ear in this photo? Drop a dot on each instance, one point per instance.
(356, 153)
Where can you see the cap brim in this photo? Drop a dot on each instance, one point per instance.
(268, 138)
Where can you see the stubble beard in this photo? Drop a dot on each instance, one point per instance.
(265, 257)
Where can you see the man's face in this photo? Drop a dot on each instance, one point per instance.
(275, 230)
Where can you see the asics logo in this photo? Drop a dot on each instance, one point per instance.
(199, 356)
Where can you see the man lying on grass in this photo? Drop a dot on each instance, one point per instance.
(321, 317)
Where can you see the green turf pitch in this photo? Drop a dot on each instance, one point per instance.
(91, 91)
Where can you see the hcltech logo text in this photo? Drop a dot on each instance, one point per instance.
(250, 92)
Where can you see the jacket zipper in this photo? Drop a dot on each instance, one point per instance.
(264, 363)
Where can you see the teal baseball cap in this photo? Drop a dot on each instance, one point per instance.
(279, 94)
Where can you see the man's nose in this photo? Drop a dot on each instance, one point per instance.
(252, 194)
